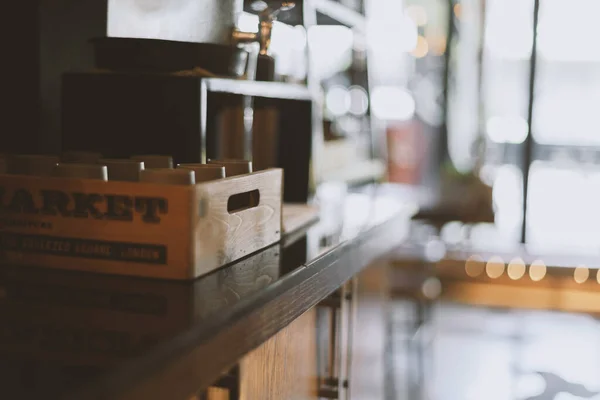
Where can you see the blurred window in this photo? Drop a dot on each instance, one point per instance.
(563, 192)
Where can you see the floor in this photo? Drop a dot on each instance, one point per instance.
(462, 352)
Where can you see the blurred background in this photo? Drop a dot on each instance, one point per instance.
(400, 83)
(415, 87)
(378, 67)
(502, 93)
(390, 104)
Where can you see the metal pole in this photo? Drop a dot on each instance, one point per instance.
(444, 151)
(529, 143)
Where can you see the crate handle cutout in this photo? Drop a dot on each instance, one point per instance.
(243, 201)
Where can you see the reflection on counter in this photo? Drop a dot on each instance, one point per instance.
(60, 329)
(85, 319)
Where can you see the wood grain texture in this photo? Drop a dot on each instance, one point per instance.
(284, 367)
(222, 237)
(212, 393)
(97, 229)
(297, 216)
(231, 135)
(217, 394)
(229, 285)
(190, 234)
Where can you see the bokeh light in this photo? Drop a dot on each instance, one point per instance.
(338, 100)
(392, 103)
(359, 101)
(474, 266)
(581, 274)
(516, 269)
(537, 270)
(422, 47)
(431, 288)
(495, 267)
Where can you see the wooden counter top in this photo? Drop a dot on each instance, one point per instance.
(85, 336)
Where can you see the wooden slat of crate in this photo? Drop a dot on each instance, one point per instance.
(222, 237)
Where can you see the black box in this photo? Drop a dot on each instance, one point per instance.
(121, 114)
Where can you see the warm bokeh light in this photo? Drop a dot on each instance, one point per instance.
(474, 266)
(437, 44)
(458, 10)
(516, 269)
(422, 47)
(581, 274)
(495, 267)
(537, 270)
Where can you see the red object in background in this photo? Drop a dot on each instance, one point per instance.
(406, 152)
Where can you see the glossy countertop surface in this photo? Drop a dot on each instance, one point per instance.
(79, 335)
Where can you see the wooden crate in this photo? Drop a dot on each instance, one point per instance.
(141, 229)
